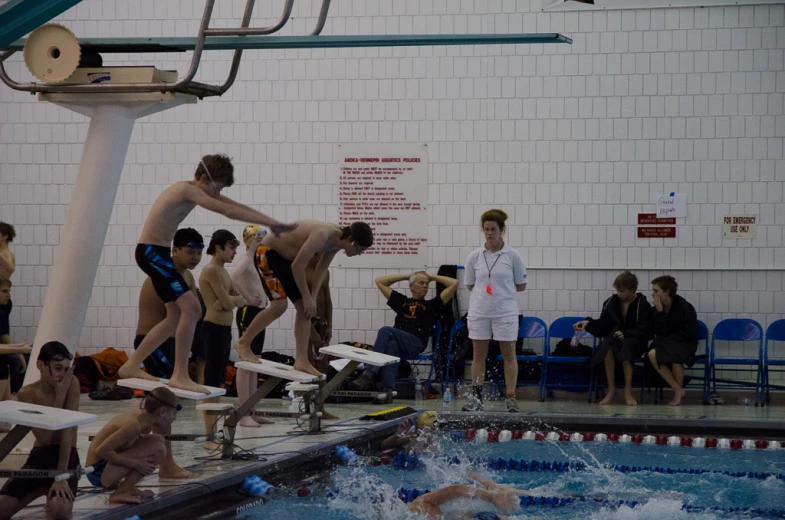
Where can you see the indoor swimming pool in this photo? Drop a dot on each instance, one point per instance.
(597, 480)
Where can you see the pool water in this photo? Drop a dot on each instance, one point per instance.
(369, 492)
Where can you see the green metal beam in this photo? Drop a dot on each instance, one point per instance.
(219, 43)
(19, 17)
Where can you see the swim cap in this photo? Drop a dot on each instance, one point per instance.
(249, 232)
(427, 419)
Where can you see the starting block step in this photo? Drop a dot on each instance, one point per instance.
(149, 386)
(43, 417)
(368, 357)
(301, 387)
(271, 368)
(217, 407)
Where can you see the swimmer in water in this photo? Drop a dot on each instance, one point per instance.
(504, 497)
(415, 436)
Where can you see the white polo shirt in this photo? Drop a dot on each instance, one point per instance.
(502, 270)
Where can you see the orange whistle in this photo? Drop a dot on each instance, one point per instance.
(488, 289)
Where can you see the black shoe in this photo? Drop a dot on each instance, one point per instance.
(384, 397)
(362, 384)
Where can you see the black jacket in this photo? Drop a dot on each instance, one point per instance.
(638, 324)
(680, 323)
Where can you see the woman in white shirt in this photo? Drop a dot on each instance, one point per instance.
(494, 274)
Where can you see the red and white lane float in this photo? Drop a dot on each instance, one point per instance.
(494, 435)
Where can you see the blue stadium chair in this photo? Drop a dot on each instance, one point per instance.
(531, 328)
(560, 329)
(427, 357)
(775, 332)
(737, 329)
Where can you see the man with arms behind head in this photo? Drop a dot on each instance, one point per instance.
(187, 249)
(214, 173)
(282, 262)
(414, 321)
(57, 388)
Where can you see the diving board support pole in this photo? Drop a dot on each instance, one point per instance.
(12, 438)
(112, 118)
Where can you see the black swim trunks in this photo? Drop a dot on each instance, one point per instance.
(243, 318)
(156, 262)
(41, 457)
(277, 275)
(161, 362)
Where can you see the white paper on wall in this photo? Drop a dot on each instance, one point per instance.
(673, 205)
(386, 186)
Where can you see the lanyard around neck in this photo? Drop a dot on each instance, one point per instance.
(490, 267)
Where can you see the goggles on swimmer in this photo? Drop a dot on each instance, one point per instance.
(195, 245)
(177, 407)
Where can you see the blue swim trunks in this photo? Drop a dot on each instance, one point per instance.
(98, 470)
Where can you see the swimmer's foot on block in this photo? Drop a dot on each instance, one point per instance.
(129, 371)
(149, 386)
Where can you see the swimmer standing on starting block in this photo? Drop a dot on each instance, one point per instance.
(57, 388)
(282, 261)
(132, 445)
(214, 173)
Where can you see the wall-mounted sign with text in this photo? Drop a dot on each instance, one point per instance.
(656, 232)
(739, 226)
(386, 186)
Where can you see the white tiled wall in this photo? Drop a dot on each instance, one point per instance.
(572, 141)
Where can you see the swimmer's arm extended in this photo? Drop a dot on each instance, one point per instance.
(18, 348)
(493, 486)
(233, 209)
(400, 438)
(320, 273)
(449, 493)
(315, 243)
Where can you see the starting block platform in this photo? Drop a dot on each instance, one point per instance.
(314, 394)
(271, 368)
(149, 386)
(26, 416)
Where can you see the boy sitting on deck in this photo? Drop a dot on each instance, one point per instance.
(125, 450)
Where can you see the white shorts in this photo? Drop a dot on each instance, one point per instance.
(500, 329)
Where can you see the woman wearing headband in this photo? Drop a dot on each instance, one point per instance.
(494, 274)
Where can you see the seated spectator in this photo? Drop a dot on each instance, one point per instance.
(414, 321)
(625, 328)
(675, 335)
(8, 351)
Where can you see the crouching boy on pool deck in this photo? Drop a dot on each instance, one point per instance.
(125, 450)
(57, 388)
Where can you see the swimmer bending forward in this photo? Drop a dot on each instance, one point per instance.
(214, 173)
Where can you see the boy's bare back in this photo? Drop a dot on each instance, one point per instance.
(126, 420)
(168, 211)
(289, 244)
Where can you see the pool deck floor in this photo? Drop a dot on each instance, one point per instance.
(278, 442)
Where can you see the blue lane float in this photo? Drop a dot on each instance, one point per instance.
(408, 495)
(412, 461)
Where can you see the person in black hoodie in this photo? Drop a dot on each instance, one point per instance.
(676, 335)
(625, 328)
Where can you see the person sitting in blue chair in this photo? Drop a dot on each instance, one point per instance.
(625, 328)
(676, 333)
(414, 321)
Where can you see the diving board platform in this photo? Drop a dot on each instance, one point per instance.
(25, 417)
(148, 386)
(222, 43)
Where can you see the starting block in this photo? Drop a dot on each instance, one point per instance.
(26, 416)
(356, 356)
(149, 386)
(314, 397)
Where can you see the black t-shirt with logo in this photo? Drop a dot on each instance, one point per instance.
(415, 316)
